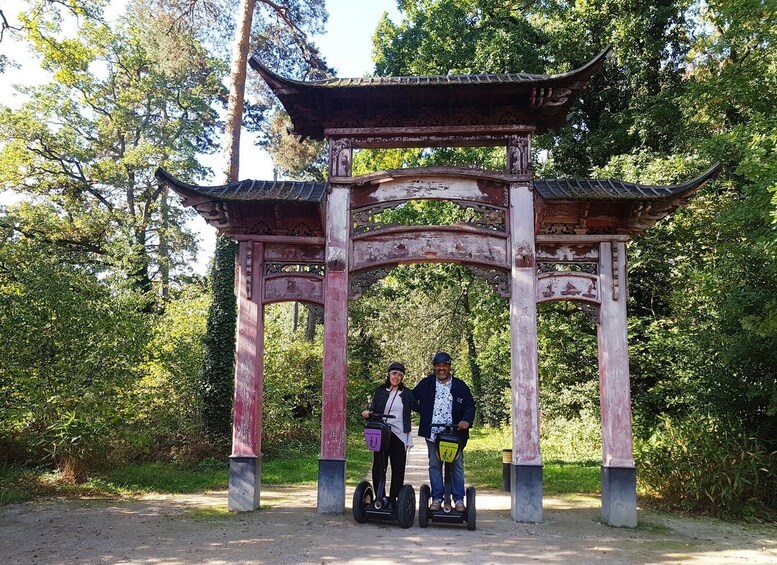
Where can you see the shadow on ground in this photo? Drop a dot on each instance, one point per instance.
(198, 529)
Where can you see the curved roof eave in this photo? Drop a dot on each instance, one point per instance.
(611, 189)
(540, 101)
(279, 83)
(246, 190)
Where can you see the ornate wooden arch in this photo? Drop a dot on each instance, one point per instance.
(535, 240)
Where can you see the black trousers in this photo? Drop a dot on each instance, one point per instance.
(397, 455)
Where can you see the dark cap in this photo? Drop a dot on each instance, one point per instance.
(441, 357)
(396, 366)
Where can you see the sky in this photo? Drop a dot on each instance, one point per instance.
(346, 46)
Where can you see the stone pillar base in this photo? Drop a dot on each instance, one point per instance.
(245, 483)
(619, 496)
(331, 486)
(526, 493)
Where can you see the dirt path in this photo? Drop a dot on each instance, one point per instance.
(197, 529)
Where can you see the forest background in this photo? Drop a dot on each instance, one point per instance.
(107, 338)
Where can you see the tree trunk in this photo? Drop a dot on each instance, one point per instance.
(472, 355)
(219, 355)
(237, 83)
(164, 246)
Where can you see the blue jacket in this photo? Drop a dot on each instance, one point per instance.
(463, 404)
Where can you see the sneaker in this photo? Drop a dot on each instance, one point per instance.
(435, 506)
(460, 506)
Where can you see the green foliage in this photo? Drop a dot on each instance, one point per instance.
(292, 380)
(575, 439)
(218, 366)
(167, 417)
(705, 464)
(70, 347)
(578, 474)
(84, 146)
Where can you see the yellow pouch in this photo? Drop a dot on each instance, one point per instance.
(448, 451)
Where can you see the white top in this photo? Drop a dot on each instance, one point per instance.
(394, 407)
(443, 407)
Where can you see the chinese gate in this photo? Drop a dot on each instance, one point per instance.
(534, 240)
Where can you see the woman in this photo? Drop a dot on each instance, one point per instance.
(393, 398)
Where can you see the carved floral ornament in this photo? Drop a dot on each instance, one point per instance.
(274, 268)
(381, 217)
(587, 267)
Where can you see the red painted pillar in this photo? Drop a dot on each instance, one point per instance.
(619, 496)
(246, 458)
(331, 470)
(526, 471)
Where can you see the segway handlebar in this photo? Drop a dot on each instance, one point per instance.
(378, 415)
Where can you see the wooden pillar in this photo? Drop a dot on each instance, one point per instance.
(526, 469)
(331, 466)
(245, 467)
(619, 478)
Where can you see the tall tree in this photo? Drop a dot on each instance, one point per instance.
(278, 30)
(685, 86)
(88, 141)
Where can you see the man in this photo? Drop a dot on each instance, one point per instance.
(442, 398)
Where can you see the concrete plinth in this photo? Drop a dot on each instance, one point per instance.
(245, 483)
(331, 486)
(526, 493)
(619, 496)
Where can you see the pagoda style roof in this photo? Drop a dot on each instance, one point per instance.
(247, 190)
(254, 207)
(607, 206)
(531, 100)
(562, 206)
(612, 189)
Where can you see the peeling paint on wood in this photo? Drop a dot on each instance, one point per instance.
(427, 246)
(335, 325)
(614, 382)
(249, 366)
(467, 189)
(293, 252)
(523, 330)
(568, 286)
(567, 252)
(301, 288)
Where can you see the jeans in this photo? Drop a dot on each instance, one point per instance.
(436, 478)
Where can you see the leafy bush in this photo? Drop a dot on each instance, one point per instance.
(709, 465)
(572, 439)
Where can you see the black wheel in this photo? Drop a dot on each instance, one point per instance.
(423, 506)
(471, 515)
(406, 506)
(362, 497)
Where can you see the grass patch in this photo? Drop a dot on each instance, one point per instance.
(483, 460)
(359, 457)
(563, 477)
(164, 477)
(295, 463)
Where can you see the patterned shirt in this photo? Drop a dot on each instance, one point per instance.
(443, 407)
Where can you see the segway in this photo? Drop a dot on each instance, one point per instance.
(372, 503)
(449, 445)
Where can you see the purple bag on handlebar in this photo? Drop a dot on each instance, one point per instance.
(376, 434)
